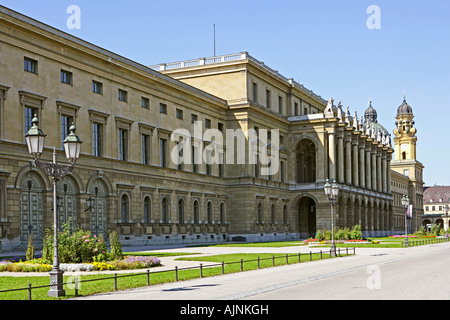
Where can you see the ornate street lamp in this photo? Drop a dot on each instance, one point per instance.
(72, 144)
(405, 203)
(332, 192)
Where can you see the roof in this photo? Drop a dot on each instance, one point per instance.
(436, 194)
(404, 108)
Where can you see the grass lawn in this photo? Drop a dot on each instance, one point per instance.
(232, 264)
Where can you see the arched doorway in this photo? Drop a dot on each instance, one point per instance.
(67, 202)
(307, 217)
(31, 207)
(306, 161)
(98, 213)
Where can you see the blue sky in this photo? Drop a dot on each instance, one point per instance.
(323, 44)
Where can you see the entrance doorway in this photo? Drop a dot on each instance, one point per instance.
(307, 217)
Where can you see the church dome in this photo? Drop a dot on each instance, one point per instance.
(371, 114)
(404, 108)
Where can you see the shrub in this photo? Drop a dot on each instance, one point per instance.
(116, 247)
(356, 232)
(30, 248)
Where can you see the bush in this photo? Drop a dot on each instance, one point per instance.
(30, 248)
(116, 247)
(356, 232)
(78, 247)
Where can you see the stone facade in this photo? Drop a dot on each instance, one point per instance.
(127, 114)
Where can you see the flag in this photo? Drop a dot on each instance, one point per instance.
(409, 211)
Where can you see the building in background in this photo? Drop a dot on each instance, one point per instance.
(436, 202)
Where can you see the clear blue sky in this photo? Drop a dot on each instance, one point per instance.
(323, 44)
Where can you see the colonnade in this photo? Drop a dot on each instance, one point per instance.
(358, 160)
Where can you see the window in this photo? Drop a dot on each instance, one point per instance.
(124, 208)
(272, 214)
(180, 211)
(285, 217)
(145, 149)
(255, 92)
(97, 139)
(179, 114)
(66, 77)
(162, 153)
(406, 172)
(30, 65)
(296, 109)
(147, 209)
(194, 162)
(123, 95)
(259, 217)
(280, 105)
(29, 115)
(165, 210)
(123, 144)
(220, 126)
(66, 122)
(194, 118)
(163, 108)
(222, 213)
(196, 211)
(208, 123)
(282, 171)
(209, 212)
(97, 87)
(145, 103)
(268, 99)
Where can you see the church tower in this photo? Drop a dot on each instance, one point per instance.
(405, 161)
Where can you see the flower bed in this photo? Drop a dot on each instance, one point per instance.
(42, 265)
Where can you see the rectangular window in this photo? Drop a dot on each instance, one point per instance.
(208, 123)
(66, 122)
(29, 115)
(97, 139)
(145, 149)
(66, 77)
(268, 99)
(280, 105)
(194, 118)
(162, 153)
(282, 171)
(123, 144)
(145, 103)
(30, 65)
(194, 163)
(97, 87)
(255, 92)
(123, 95)
(296, 108)
(163, 108)
(220, 126)
(179, 114)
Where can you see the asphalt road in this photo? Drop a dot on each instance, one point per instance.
(382, 274)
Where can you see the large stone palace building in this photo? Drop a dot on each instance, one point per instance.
(127, 114)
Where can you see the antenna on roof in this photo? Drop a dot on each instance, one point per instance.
(214, 27)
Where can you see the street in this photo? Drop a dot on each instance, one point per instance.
(384, 273)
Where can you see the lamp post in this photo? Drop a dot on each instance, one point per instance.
(332, 191)
(72, 145)
(405, 203)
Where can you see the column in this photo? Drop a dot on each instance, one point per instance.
(348, 161)
(388, 171)
(362, 172)
(355, 170)
(368, 168)
(384, 173)
(340, 164)
(379, 175)
(332, 156)
(374, 170)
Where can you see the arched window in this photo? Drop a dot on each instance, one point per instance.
(285, 218)
(164, 210)
(259, 213)
(124, 207)
(209, 211)
(306, 161)
(196, 211)
(272, 214)
(222, 213)
(403, 155)
(180, 211)
(147, 209)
